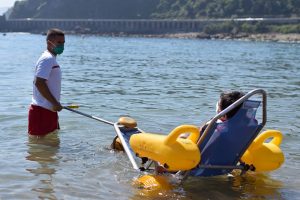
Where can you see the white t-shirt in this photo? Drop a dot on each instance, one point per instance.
(47, 68)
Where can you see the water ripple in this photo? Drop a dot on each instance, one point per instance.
(162, 83)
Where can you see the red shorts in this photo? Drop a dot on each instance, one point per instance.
(41, 121)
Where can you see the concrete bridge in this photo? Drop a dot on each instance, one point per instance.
(126, 26)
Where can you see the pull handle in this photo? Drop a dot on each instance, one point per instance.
(259, 140)
(193, 130)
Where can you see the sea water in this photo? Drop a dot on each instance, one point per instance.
(162, 83)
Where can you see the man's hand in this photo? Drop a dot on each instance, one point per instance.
(57, 107)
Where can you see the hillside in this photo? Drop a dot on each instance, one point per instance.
(194, 9)
(154, 9)
(84, 9)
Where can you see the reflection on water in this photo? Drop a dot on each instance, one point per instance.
(248, 186)
(43, 150)
(255, 185)
(234, 186)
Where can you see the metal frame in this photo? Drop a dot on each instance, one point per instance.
(236, 104)
(126, 147)
(201, 139)
(221, 114)
(89, 116)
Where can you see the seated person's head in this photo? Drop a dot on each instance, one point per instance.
(226, 99)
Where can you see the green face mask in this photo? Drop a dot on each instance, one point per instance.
(58, 49)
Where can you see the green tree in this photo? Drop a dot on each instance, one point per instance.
(157, 9)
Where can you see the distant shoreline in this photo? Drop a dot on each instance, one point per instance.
(273, 37)
(273, 29)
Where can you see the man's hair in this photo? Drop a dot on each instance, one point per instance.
(228, 98)
(52, 33)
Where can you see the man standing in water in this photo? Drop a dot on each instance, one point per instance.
(43, 116)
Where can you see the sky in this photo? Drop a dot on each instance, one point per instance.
(6, 3)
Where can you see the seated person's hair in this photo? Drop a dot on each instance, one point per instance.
(228, 98)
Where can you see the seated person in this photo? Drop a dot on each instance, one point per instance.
(226, 99)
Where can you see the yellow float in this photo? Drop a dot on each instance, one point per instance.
(263, 154)
(128, 122)
(153, 185)
(173, 152)
(153, 182)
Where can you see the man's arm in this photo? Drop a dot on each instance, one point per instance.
(42, 86)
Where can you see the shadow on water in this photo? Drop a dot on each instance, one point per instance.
(43, 151)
